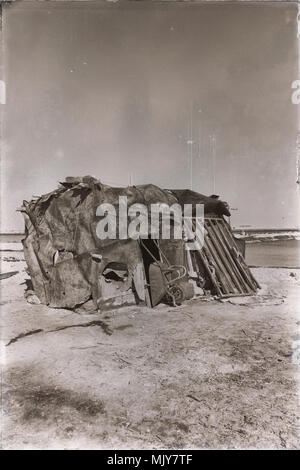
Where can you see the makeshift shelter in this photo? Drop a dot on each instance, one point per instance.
(69, 264)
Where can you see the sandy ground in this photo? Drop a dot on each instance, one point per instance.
(203, 375)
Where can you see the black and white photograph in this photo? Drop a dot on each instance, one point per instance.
(150, 227)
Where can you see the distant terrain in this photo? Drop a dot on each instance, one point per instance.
(267, 234)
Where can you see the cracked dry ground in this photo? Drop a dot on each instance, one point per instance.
(205, 375)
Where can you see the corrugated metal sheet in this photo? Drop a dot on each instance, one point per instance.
(222, 262)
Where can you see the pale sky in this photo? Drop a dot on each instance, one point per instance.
(108, 89)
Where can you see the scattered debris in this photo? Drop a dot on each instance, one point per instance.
(32, 298)
(101, 323)
(121, 359)
(194, 398)
(283, 441)
(23, 335)
(123, 327)
(247, 335)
